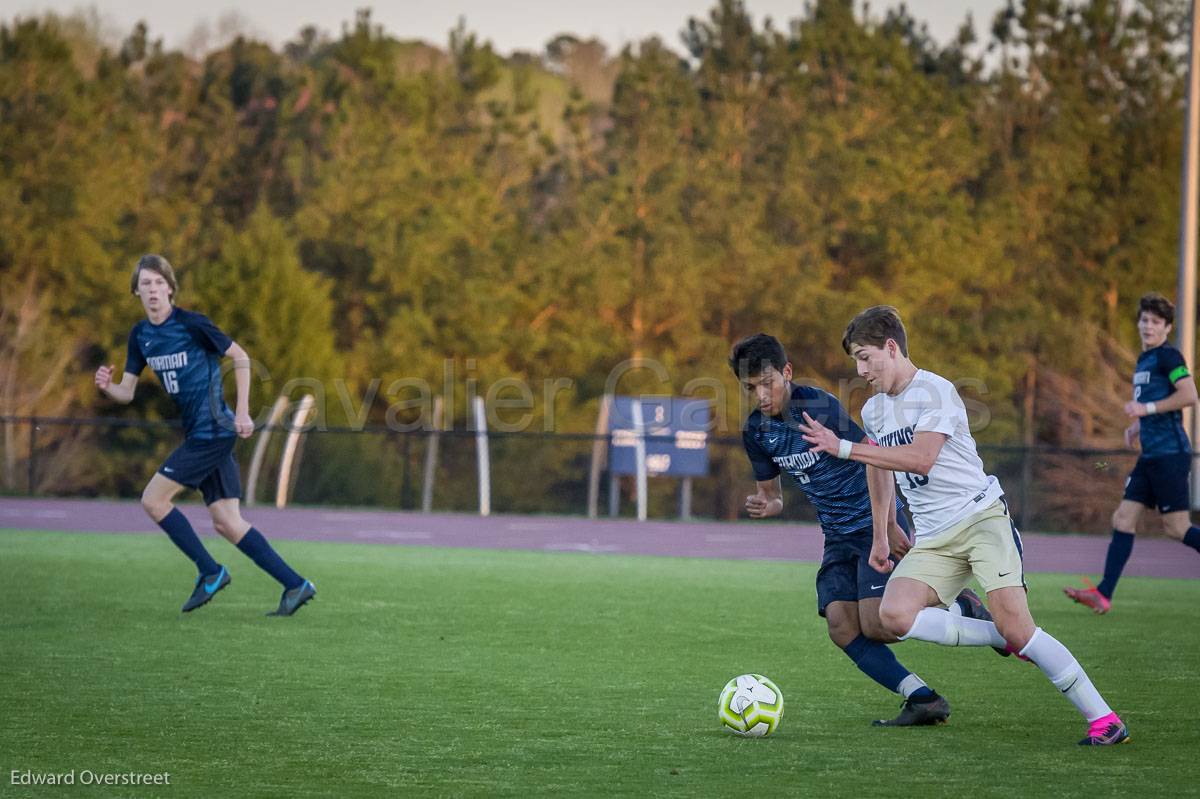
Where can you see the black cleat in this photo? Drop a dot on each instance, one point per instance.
(207, 586)
(291, 600)
(919, 714)
(973, 608)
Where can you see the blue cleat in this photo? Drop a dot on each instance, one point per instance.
(207, 586)
(291, 600)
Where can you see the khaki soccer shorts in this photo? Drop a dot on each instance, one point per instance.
(985, 544)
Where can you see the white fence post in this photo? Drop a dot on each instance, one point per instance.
(431, 457)
(481, 452)
(639, 432)
(299, 421)
(260, 451)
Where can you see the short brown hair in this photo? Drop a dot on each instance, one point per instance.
(158, 265)
(1158, 305)
(875, 326)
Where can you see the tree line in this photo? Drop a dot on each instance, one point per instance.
(366, 208)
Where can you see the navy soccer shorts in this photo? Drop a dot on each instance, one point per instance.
(1160, 482)
(846, 574)
(207, 465)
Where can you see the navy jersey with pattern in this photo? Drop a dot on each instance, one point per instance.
(837, 488)
(1154, 380)
(185, 353)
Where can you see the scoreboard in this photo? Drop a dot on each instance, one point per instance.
(674, 431)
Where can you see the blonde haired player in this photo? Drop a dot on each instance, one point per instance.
(961, 518)
(185, 348)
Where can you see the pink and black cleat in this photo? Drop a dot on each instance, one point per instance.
(1089, 596)
(1106, 731)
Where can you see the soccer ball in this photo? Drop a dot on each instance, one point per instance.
(751, 705)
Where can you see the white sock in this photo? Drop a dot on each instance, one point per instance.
(1057, 663)
(933, 625)
(977, 632)
(942, 627)
(909, 685)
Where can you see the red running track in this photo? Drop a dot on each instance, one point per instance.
(1072, 554)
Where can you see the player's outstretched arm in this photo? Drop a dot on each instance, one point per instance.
(118, 392)
(242, 423)
(915, 458)
(1184, 396)
(767, 502)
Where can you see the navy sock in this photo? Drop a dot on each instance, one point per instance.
(1192, 538)
(876, 661)
(180, 531)
(258, 550)
(1118, 553)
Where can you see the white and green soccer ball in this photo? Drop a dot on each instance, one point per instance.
(751, 705)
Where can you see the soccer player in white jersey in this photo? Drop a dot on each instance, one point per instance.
(962, 524)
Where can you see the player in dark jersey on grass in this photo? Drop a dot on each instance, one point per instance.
(1162, 388)
(848, 589)
(185, 349)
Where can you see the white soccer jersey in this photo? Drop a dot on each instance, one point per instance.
(956, 486)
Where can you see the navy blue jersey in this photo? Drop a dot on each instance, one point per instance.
(185, 352)
(1153, 381)
(837, 488)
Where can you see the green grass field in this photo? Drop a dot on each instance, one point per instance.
(467, 672)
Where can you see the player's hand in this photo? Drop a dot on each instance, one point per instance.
(1134, 409)
(760, 506)
(898, 540)
(879, 559)
(1131, 434)
(820, 437)
(104, 377)
(243, 425)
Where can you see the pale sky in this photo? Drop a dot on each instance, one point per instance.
(526, 25)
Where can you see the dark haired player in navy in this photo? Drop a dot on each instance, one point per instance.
(848, 588)
(1162, 388)
(185, 349)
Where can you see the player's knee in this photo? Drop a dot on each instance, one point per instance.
(1124, 520)
(154, 505)
(231, 528)
(873, 628)
(1176, 527)
(1016, 628)
(842, 624)
(842, 634)
(896, 620)
(1016, 638)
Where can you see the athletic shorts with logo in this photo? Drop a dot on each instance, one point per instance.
(846, 574)
(206, 464)
(986, 544)
(1160, 482)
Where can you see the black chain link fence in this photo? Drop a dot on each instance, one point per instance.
(1049, 489)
